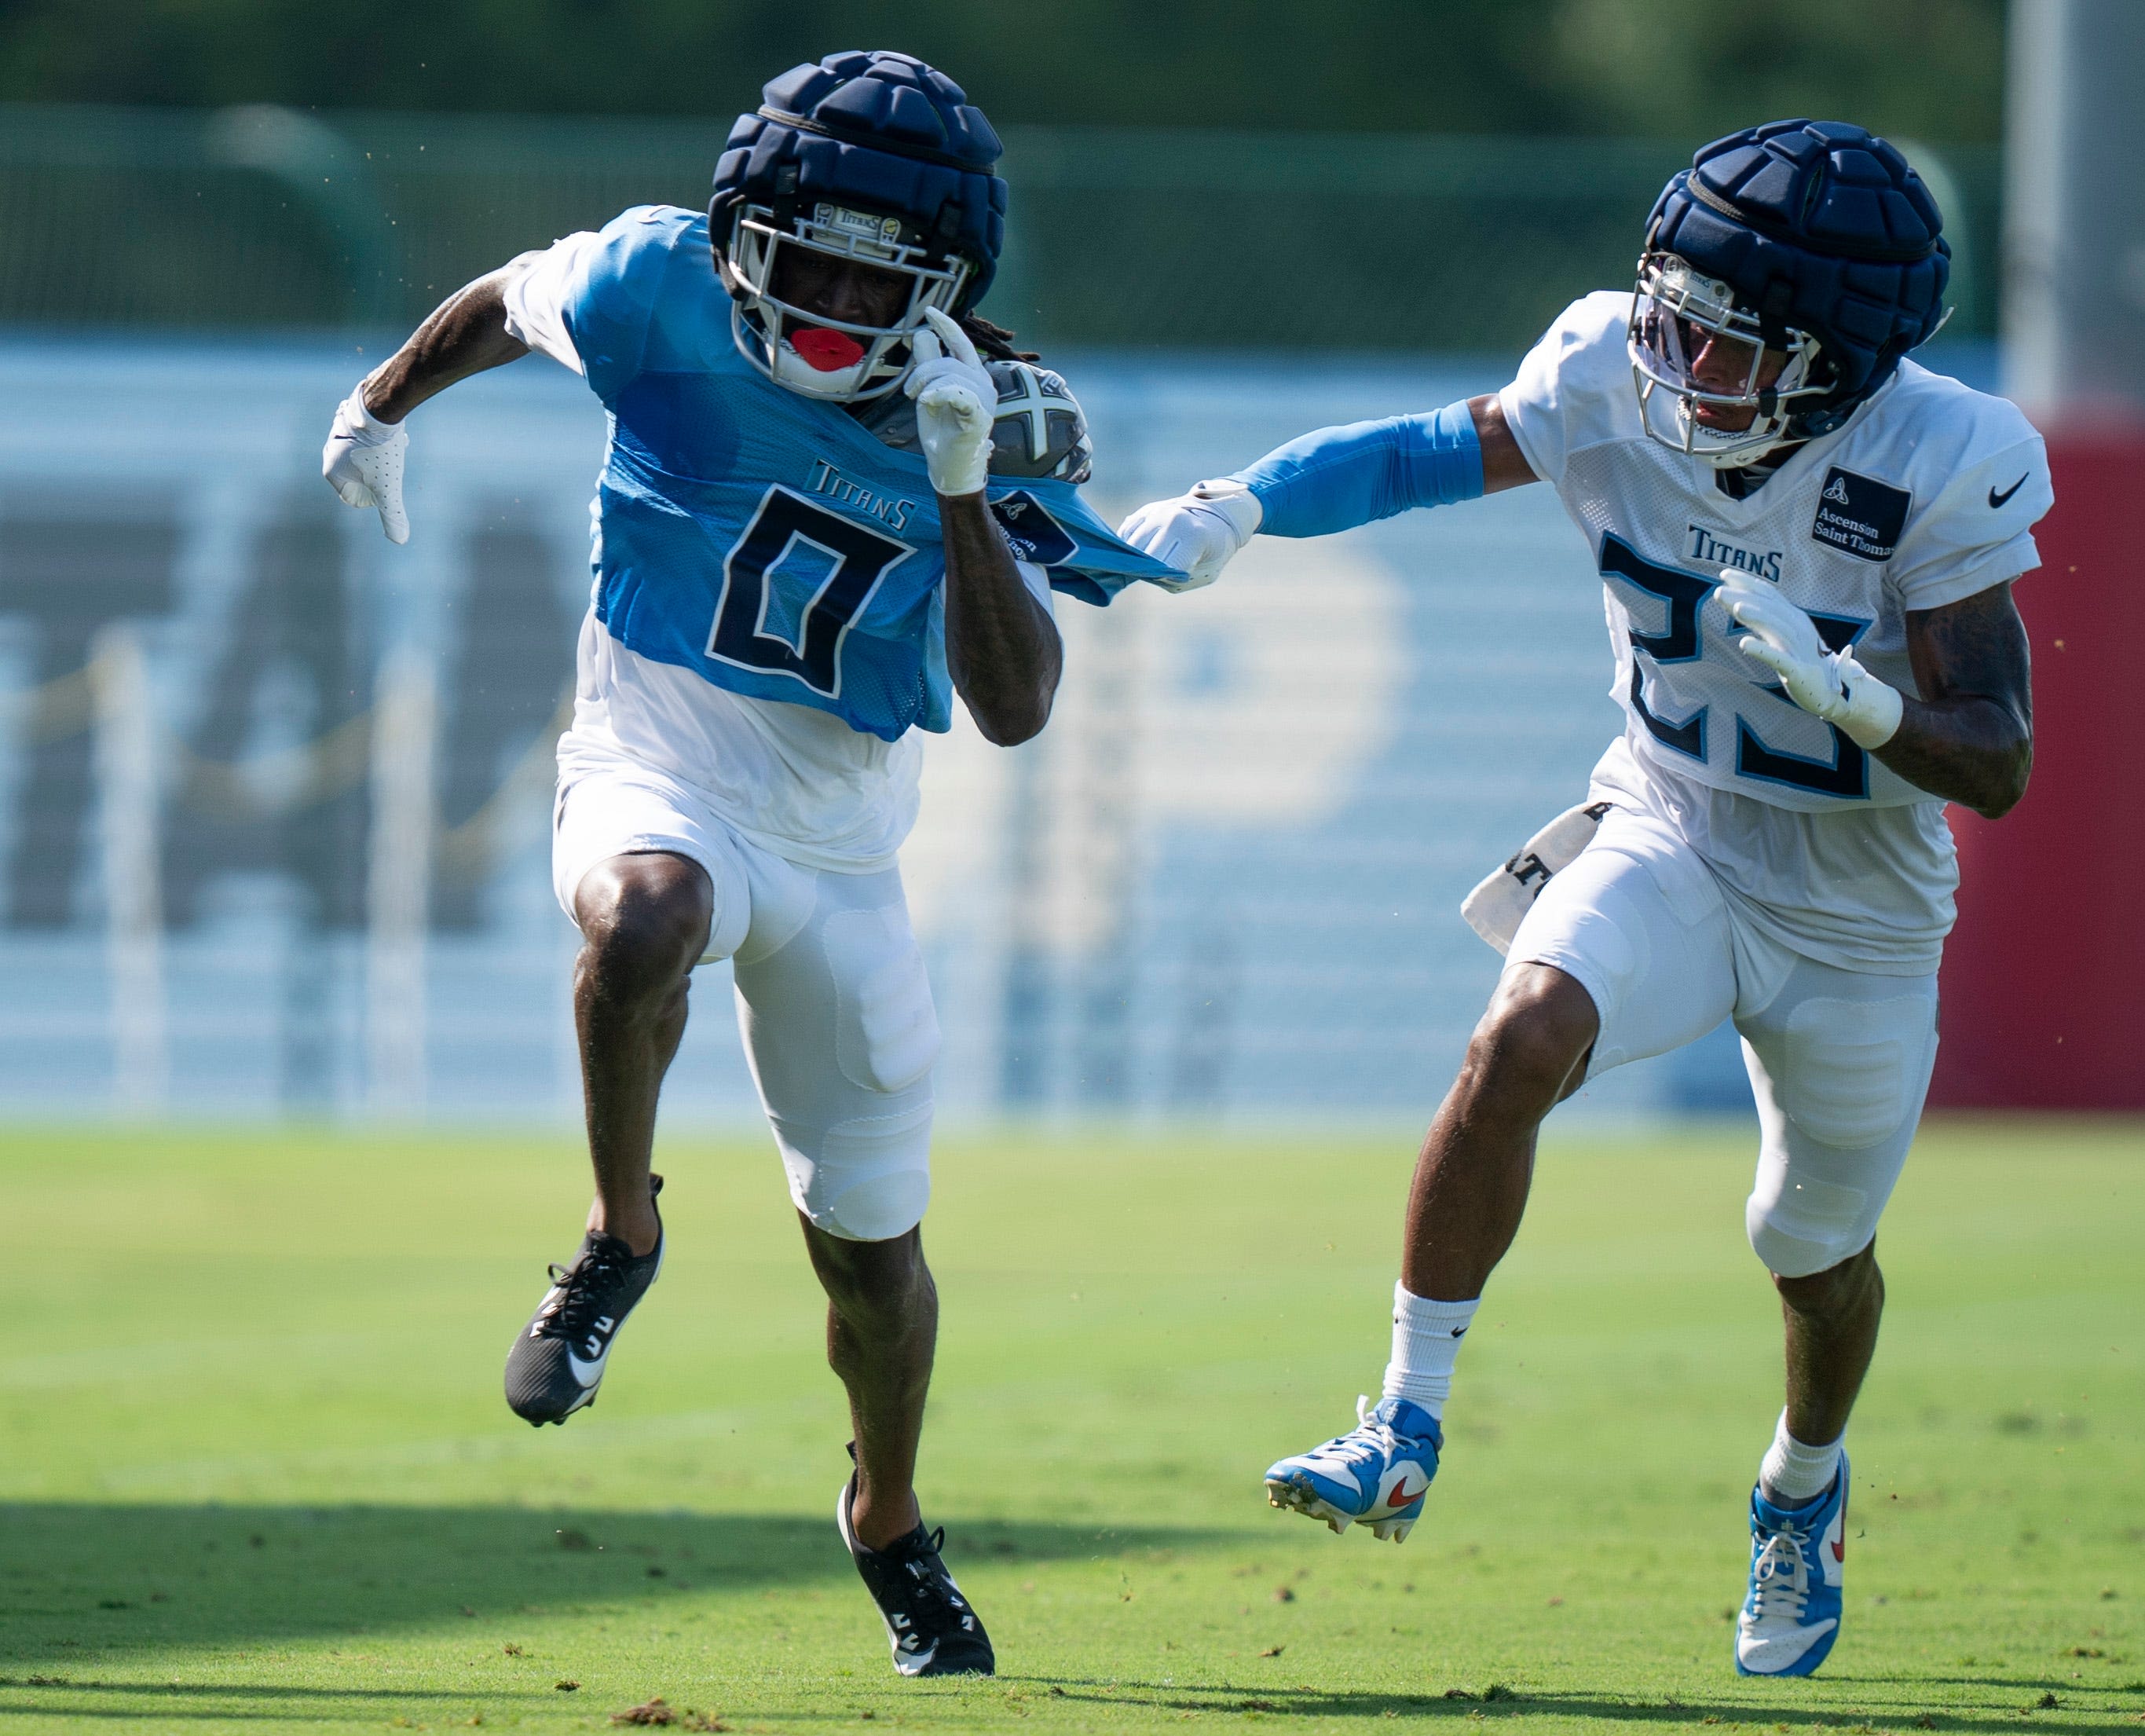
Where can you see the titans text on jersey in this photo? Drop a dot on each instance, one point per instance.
(1891, 513)
(833, 497)
(1795, 527)
(775, 545)
(766, 618)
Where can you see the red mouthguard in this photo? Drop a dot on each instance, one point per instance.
(826, 351)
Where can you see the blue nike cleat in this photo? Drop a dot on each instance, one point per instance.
(1797, 1565)
(1378, 1472)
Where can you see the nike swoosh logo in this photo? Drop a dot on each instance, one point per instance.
(588, 1373)
(1401, 1496)
(1996, 499)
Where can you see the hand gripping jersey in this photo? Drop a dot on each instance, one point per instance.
(771, 545)
(1926, 495)
(767, 620)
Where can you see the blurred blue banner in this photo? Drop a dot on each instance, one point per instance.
(274, 794)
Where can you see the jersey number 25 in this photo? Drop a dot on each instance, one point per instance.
(1846, 774)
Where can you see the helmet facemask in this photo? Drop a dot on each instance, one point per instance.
(839, 361)
(1676, 315)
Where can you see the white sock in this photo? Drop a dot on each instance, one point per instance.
(1426, 1339)
(1794, 1473)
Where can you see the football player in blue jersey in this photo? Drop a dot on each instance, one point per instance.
(1809, 543)
(834, 497)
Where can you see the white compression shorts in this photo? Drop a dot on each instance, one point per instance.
(832, 998)
(1840, 1060)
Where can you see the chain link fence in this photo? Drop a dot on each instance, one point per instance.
(274, 795)
(1121, 239)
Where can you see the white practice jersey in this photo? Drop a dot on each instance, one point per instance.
(1930, 493)
(797, 782)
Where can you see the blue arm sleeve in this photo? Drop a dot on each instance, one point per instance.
(1341, 477)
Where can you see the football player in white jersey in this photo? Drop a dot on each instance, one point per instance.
(1808, 544)
(822, 513)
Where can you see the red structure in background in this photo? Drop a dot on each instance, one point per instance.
(2044, 980)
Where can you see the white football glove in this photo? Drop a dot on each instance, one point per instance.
(1196, 533)
(363, 463)
(1828, 685)
(957, 405)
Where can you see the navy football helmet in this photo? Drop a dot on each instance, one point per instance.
(1811, 238)
(874, 158)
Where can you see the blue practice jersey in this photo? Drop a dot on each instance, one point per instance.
(773, 544)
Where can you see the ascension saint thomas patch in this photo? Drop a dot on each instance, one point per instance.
(1862, 517)
(1037, 538)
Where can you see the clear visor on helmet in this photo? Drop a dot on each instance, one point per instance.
(1708, 383)
(813, 352)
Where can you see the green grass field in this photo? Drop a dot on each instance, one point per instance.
(256, 1474)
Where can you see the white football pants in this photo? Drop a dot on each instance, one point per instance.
(1840, 1060)
(833, 1001)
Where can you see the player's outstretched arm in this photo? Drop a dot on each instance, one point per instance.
(1002, 648)
(1970, 740)
(1334, 480)
(464, 335)
(364, 456)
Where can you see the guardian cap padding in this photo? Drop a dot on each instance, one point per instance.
(1819, 226)
(880, 132)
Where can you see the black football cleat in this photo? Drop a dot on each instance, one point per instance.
(557, 1364)
(934, 1631)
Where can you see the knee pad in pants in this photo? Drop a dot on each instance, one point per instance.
(839, 1027)
(1839, 1085)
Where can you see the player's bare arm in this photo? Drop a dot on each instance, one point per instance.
(466, 334)
(778, 598)
(368, 446)
(1971, 740)
(1504, 464)
(1751, 463)
(1002, 648)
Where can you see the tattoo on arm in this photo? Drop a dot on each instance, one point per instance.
(464, 335)
(1002, 647)
(1970, 740)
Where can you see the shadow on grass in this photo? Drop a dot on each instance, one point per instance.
(1891, 1705)
(84, 1585)
(83, 1578)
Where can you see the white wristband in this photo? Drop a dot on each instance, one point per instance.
(360, 423)
(1235, 503)
(1874, 709)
